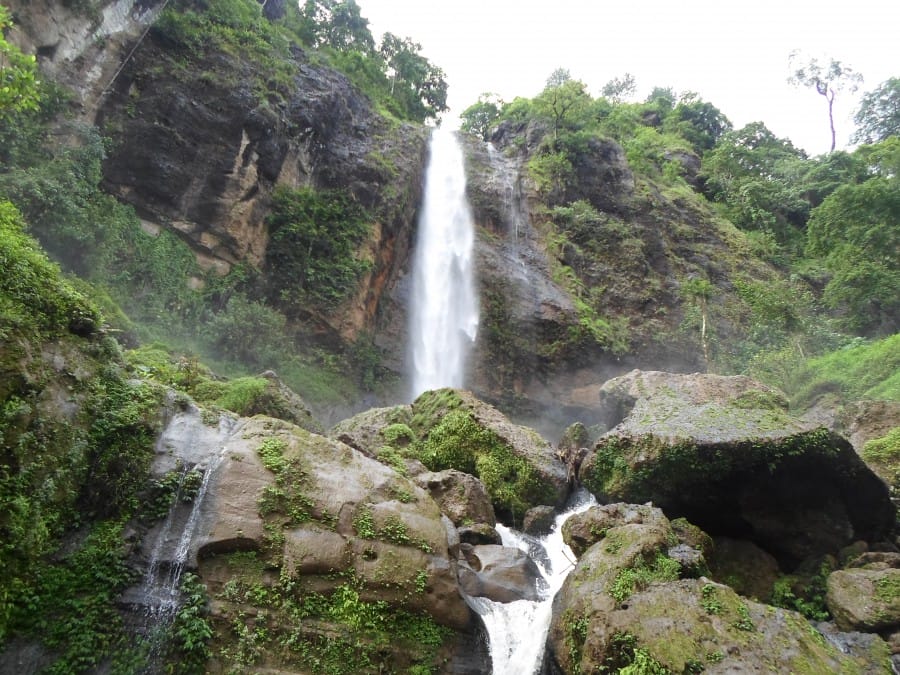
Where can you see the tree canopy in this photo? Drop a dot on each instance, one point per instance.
(878, 117)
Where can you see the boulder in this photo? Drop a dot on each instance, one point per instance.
(518, 467)
(583, 530)
(724, 453)
(343, 514)
(451, 429)
(461, 497)
(279, 400)
(625, 605)
(695, 625)
(364, 431)
(744, 566)
(500, 573)
(539, 520)
(866, 598)
(479, 533)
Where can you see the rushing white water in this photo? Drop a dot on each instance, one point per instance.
(517, 631)
(444, 308)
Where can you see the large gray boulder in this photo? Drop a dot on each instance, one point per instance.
(725, 453)
(500, 573)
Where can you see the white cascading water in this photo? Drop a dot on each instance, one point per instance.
(517, 631)
(444, 308)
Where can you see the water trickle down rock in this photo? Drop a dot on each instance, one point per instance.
(191, 444)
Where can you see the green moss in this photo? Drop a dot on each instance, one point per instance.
(678, 466)
(459, 442)
(286, 498)
(642, 574)
(335, 632)
(887, 588)
(398, 435)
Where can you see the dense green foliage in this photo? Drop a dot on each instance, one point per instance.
(313, 256)
(862, 371)
(19, 88)
(878, 117)
(459, 442)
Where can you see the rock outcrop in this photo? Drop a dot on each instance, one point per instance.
(865, 596)
(626, 605)
(725, 453)
(452, 429)
(316, 513)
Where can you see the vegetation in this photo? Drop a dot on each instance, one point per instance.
(338, 633)
(315, 237)
(457, 441)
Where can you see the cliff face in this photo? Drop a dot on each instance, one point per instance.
(563, 309)
(199, 148)
(81, 45)
(201, 137)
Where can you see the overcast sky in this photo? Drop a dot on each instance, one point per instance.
(735, 55)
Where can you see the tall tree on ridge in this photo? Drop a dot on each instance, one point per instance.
(827, 80)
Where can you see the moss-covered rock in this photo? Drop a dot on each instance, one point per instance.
(866, 598)
(725, 453)
(341, 548)
(624, 607)
(451, 429)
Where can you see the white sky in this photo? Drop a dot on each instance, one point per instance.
(735, 55)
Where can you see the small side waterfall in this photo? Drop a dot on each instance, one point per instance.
(517, 631)
(194, 449)
(444, 308)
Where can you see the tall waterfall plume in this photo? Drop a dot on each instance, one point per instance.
(444, 308)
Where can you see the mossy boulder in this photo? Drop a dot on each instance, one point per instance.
(866, 596)
(305, 536)
(625, 606)
(725, 453)
(461, 497)
(451, 429)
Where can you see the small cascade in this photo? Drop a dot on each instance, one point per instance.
(194, 449)
(160, 589)
(517, 631)
(444, 306)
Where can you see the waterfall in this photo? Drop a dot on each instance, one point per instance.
(517, 631)
(444, 308)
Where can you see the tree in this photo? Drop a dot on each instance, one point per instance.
(827, 80)
(336, 23)
(619, 88)
(419, 85)
(19, 86)
(479, 117)
(564, 101)
(750, 170)
(699, 122)
(878, 116)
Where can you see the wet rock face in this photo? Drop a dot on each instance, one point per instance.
(724, 453)
(201, 149)
(461, 497)
(81, 44)
(500, 573)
